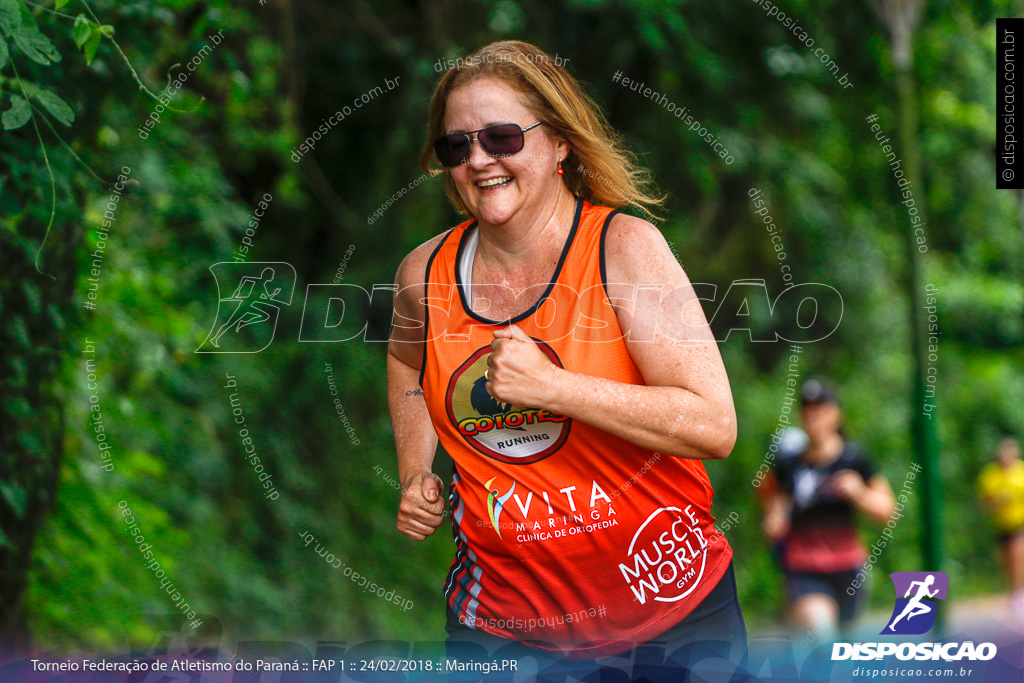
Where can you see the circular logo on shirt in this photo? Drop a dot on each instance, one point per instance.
(502, 431)
(665, 560)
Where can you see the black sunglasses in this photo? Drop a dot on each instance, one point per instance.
(502, 140)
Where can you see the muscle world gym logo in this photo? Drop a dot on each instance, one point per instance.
(502, 431)
(665, 560)
(917, 596)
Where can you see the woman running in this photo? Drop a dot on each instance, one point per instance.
(813, 511)
(1001, 486)
(577, 408)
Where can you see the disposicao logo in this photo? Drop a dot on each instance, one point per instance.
(914, 614)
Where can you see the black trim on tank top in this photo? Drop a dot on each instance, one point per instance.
(604, 269)
(551, 285)
(426, 308)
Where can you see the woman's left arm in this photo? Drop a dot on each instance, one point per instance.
(686, 408)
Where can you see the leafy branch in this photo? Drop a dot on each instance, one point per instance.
(18, 25)
(92, 35)
(21, 111)
(53, 130)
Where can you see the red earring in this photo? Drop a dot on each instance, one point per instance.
(560, 170)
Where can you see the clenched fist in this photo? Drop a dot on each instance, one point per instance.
(421, 508)
(518, 371)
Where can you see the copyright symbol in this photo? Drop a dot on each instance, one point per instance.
(1007, 174)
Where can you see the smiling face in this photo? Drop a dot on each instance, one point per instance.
(495, 189)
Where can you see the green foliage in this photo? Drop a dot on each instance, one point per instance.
(10, 15)
(19, 113)
(57, 107)
(195, 179)
(88, 34)
(35, 45)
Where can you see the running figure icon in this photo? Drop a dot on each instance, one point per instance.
(249, 310)
(916, 606)
(250, 296)
(917, 600)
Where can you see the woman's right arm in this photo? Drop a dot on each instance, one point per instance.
(421, 507)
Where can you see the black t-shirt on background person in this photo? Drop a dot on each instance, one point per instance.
(823, 526)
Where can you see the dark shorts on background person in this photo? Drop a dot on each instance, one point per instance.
(715, 629)
(832, 584)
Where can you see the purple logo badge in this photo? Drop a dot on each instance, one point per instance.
(914, 612)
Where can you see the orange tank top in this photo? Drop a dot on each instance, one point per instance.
(567, 537)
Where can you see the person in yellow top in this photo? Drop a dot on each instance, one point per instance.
(1001, 487)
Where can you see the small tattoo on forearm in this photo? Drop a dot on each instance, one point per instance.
(416, 392)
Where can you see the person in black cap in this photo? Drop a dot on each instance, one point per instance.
(813, 514)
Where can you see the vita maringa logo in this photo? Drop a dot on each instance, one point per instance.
(495, 504)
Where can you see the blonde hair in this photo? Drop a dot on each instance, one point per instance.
(598, 167)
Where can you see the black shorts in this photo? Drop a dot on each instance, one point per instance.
(715, 630)
(833, 584)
